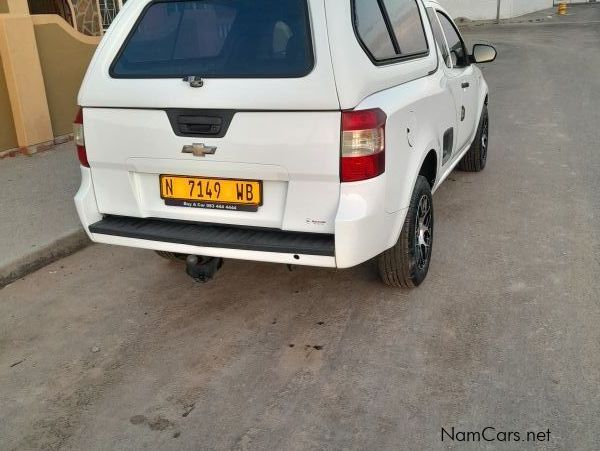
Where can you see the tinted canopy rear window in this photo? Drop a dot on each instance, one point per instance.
(218, 39)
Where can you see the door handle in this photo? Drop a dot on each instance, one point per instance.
(466, 85)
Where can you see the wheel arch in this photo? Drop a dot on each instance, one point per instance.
(430, 167)
(426, 163)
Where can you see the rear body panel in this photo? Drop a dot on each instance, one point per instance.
(294, 154)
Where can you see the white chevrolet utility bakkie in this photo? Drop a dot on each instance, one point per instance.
(304, 132)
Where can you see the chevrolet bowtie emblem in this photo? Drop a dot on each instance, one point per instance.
(199, 150)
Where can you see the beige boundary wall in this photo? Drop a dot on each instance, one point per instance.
(8, 136)
(64, 56)
(43, 60)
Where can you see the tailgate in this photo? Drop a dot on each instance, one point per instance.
(295, 155)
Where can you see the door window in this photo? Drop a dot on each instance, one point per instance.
(456, 45)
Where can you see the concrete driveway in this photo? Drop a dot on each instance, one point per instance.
(115, 348)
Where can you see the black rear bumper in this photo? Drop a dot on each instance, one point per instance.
(217, 236)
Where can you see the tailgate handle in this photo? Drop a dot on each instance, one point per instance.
(200, 122)
(205, 125)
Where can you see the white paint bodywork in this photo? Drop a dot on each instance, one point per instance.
(294, 147)
(295, 154)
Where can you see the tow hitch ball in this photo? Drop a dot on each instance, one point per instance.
(202, 269)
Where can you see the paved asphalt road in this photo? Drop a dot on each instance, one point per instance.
(119, 349)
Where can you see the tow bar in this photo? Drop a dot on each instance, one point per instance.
(202, 269)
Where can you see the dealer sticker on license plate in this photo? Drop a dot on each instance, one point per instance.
(217, 194)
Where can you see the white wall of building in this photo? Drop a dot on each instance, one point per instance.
(520, 7)
(487, 9)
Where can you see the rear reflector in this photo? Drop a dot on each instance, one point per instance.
(355, 169)
(79, 139)
(363, 145)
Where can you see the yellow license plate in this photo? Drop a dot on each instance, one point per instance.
(213, 193)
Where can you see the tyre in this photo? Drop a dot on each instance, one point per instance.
(172, 256)
(407, 263)
(476, 158)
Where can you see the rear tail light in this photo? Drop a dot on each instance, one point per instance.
(79, 139)
(363, 145)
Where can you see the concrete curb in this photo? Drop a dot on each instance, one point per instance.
(37, 148)
(61, 247)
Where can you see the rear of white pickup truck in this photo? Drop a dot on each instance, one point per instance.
(214, 128)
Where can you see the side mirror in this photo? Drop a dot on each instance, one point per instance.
(483, 53)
